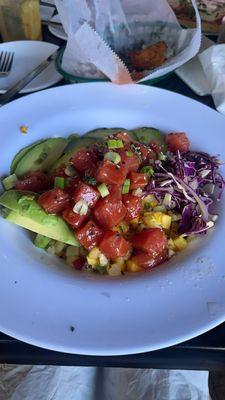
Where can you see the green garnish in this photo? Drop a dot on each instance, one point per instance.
(101, 269)
(129, 153)
(114, 144)
(81, 207)
(112, 156)
(90, 180)
(126, 186)
(9, 181)
(41, 241)
(148, 170)
(103, 190)
(59, 182)
(161, 156)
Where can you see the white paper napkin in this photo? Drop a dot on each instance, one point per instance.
(124, 25)
(213, 64)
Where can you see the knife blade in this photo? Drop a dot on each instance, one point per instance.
(10, 93)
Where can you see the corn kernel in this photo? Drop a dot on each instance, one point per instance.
(180, 243)
(23, 129)
(93, 257)
(166, 221)
(154, 219)
(149, 200)
(133, 267)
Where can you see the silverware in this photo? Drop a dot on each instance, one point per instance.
(6, 60)
(10, 93)
(51, 23)
(44, 3)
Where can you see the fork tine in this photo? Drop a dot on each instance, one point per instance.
(4, 59)
(8, 62)
(11, 56)
(1, 55)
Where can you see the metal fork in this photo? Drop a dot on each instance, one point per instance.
(6, 61)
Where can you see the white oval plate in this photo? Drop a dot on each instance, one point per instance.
(41, 299)
(57, 31)
(28, 55)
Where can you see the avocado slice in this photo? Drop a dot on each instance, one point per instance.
(103, 132)
(41, 157)
(146, 135)
(21, 154)
(73, 147)
(23, 210)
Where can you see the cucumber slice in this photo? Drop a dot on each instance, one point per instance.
(41, 156)
(146, 135)
(59, 248)
(20, 155)
(103, 132)
(74, 146)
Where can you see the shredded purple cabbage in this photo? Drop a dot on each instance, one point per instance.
(195, 184)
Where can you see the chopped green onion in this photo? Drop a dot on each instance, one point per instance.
(126, 186)
(41, 241)
(59, 182)
(9, 181)
(59, 248)
(101, 269)
(129, 153)
(90, 180)
(148, 170)
(70, 170)
(119, 144)
(161, 156)
(112, 156)
(167, 200)
(81, 207)
(160, 208)
(103, 190)
(114, 144)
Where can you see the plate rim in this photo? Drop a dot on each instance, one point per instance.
(145, 348)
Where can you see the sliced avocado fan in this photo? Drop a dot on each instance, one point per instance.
(24, 210)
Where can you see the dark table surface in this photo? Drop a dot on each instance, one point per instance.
(206, 352)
